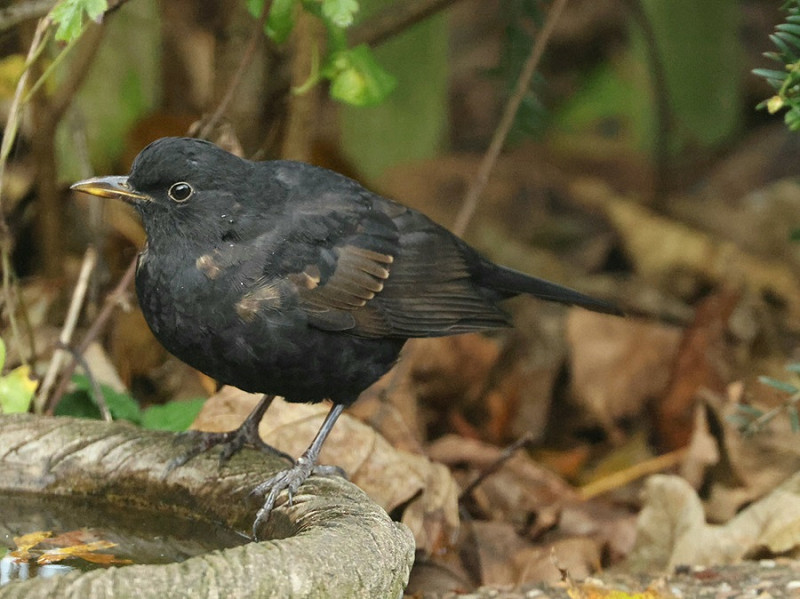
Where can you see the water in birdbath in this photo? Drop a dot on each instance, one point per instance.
(44, 537)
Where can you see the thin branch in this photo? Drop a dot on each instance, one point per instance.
(626, 476)
(396, 18)
(38, 43)
(24, 11)
(475, 190)
(504, 456)
(64, 339)
(97, 391)
(308, 39)
(203, 130)
(661, 99)
(113, 300)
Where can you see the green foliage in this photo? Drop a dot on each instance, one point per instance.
(532, 116)
(173, 416)
(280, 21)
(751, 420)
(339, 12)
(356, 77)
(16, 387)
(68, 16)
(787, 80)
(80, 403)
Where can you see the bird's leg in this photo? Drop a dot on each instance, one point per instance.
(231, 441)
(291, 478)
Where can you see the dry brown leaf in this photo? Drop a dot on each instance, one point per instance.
(702, 452)
(611, 526)
(672, 530)
(519, 490)
(663, 249)
(493, 546)
(705, 361)
(390, 407)
(618, 364)
(581, 556)
(750, 466)
(389, 476)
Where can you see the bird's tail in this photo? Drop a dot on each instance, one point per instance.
(514, 282)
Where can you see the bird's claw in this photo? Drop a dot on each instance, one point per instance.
(232, 443)
(290, 481)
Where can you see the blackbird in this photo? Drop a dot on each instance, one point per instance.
(288, 279)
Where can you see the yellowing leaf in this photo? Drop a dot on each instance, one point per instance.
(27, 542)
(16, 391)
(85, 552)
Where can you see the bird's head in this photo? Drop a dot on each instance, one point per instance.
(180, 186)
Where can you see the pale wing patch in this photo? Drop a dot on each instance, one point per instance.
(359, 275)
(265, 297)
(309, 278)
(208, 266)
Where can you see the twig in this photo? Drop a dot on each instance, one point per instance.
(97, 391)
(64, 339)
(308, 38)
(9, 136)
(628, 475)
(661, 99)
(504, 456)
(396, 18)
(204, 130)
(112, 301)
(23, 11)
(475, 190)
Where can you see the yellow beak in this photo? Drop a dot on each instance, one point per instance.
(110, 187)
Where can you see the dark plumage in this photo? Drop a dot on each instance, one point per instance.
(288, 279)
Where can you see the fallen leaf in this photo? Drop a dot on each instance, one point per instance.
(705, 361)
(618, 364)
(27, 542)
(86, 552)
(389, 476)
(749, 466)
(672, 530)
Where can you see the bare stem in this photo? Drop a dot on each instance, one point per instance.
(64, 339)
(475, 190)
(113, 300)
(205, 129)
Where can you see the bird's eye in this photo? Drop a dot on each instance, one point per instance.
(180, 192)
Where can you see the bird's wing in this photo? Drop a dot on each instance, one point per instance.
(393, 272)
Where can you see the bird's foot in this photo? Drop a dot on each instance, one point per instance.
(232, 443)
(290, 481)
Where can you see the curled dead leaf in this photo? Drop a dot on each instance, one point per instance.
(392, 478)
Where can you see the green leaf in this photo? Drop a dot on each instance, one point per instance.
(80, 403)
(2, 354)
(794, 366)
(341, 13)
(790, 28)
(777, 384)
(771, 74)
(16, 391)
(749, 410)
(280, 21)
(794, 419)
(68, 16)
(784, 48)
(172, 416)
(357, 79)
